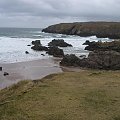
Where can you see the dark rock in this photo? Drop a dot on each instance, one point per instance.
(39, 48)
(55, 51)
(26, 52)
(5, 74)
(36, 42)
(87, 42)
(107, 60)
(103, 46)
(28, 45)
(0, 68)
(42, 54)
(59, 42)
(70, 60)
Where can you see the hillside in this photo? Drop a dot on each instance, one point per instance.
(100, 29)
(85, 95)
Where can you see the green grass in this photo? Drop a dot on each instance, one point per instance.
(85, 95)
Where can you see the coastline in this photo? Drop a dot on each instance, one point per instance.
(29, 70)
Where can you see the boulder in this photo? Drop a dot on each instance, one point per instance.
(36, 42)
(55, 51)
(26, 52)
(92, 45)
(87, 42)
(59, 42)
(39, 48)
(28, 45)
(5, 74)
(43, 54)
(70, 60)
(0, 68)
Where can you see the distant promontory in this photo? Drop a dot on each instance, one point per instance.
(84, 29)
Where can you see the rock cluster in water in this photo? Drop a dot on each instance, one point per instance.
(103, 46)
(59, 42)
(52, 50)
(104, 55)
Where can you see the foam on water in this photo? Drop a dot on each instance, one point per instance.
(13, 46)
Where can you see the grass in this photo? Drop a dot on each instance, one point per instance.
(85, 95)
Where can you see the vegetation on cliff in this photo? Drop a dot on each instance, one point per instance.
(99, 29)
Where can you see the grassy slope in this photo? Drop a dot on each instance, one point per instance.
(85, 95)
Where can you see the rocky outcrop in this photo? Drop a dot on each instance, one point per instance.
(55, 51)
(108, 60)
(36, 42)
(59, 42)
(103, 46)
(70, 60)
(39, 48)
(0, 68)
(100, 29)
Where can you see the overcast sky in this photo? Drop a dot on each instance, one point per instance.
(41, 13)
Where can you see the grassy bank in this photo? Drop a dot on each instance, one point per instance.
(85, 95)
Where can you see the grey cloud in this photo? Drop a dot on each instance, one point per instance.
(44, 12)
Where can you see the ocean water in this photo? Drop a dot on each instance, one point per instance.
(14, 41)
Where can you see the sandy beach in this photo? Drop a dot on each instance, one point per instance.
(30, 70)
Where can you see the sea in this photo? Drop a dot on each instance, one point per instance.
(14, 42)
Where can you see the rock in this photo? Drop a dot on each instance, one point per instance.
(87, 42)
(70, 60)
(36, 42)
(59, 42)
(55, 51)
(28, 45)
(5, 74)
(42, 54)
(103, 46)
(84, 29)
(39, 48)
(26, 52)
(0, 68)
(107, 60)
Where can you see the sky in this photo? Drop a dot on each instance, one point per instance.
(42, 13)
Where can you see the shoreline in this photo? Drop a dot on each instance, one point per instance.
(29, 70)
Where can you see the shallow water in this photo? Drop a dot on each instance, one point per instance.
(14, 41)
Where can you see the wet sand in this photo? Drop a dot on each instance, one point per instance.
(30, 70)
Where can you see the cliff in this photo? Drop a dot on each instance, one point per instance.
(99, 29)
